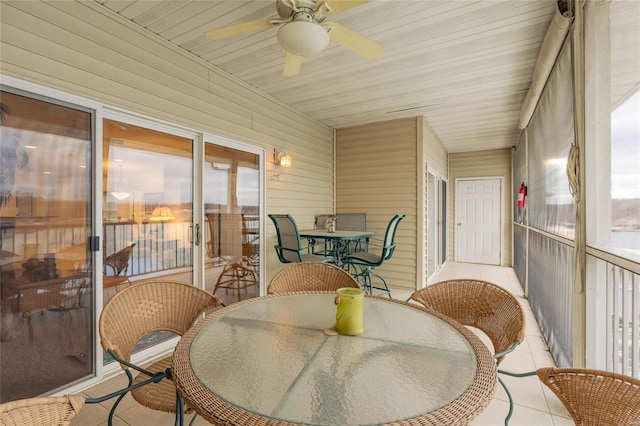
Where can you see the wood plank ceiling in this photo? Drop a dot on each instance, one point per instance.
(465, 65)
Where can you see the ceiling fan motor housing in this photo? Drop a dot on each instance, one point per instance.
(303, 38)
(286, 8)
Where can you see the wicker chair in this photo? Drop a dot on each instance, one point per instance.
(594, 397)
(141, 309)
(118, 262)
(485, 306)
(45, 411)
(310, 276)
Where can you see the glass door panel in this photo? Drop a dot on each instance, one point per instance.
(231, 197)
(147, 209)
(45, 268)
(432, 218)
(443, 221)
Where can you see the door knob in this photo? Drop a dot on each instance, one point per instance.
(459, 224)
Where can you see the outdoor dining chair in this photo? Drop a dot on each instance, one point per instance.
(482, 305)
(595, 397)
(353, 222)
(310, 276)
(290, 248)
(45, 411)
(139, 310)
(362, 264)
(117, 263)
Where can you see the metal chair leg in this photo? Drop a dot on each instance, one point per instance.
(506, 420)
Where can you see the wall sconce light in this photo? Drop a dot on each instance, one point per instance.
(281, 159)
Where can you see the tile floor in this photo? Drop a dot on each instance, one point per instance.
(535, 404)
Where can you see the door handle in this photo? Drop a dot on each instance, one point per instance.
(459, 224)
(194, 234)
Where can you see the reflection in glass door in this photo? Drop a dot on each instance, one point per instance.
(46, 328)
(147, 209)
(231, 197)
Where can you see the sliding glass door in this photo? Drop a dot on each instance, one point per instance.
(47, 316)
(231, 198)
(171, 208)
(147, 178)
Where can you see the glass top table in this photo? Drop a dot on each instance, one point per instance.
(340, 240)
(273, 360)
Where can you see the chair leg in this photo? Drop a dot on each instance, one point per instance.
(115, 404)
(385, 289)
(506, 420)
(179, 411)
(364, 277)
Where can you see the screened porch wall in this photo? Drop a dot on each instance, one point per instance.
(78, 48)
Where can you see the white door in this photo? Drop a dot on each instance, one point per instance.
(478, 220)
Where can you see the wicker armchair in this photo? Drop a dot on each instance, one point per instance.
(45, 411)
(118, 262)
(310, 276)
(485, 306)
(594, 397)
(141, 309)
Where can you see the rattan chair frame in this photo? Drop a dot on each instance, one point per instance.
(141, 309)
(44, 411)
(310, 276)
(595, 397)
(482, 305)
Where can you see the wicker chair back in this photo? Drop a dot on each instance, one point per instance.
(479, 304)
(310, 276)
(594, 397)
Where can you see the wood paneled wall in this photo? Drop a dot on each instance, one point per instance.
(478, 164)
(82, 49)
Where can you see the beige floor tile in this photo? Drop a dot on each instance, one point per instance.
(139, 415)
(562, 421)
(555, 406)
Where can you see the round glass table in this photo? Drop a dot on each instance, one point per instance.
(273, 360)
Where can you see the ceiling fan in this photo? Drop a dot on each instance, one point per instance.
(304, 30)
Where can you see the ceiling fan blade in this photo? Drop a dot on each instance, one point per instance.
(232, 30)
(292, 64)
(353, 41)
(338, 6)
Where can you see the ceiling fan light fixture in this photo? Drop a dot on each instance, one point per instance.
(303, 38)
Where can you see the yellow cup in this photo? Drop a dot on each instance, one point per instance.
(350, 311)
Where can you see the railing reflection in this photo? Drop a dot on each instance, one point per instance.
(159, 246)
